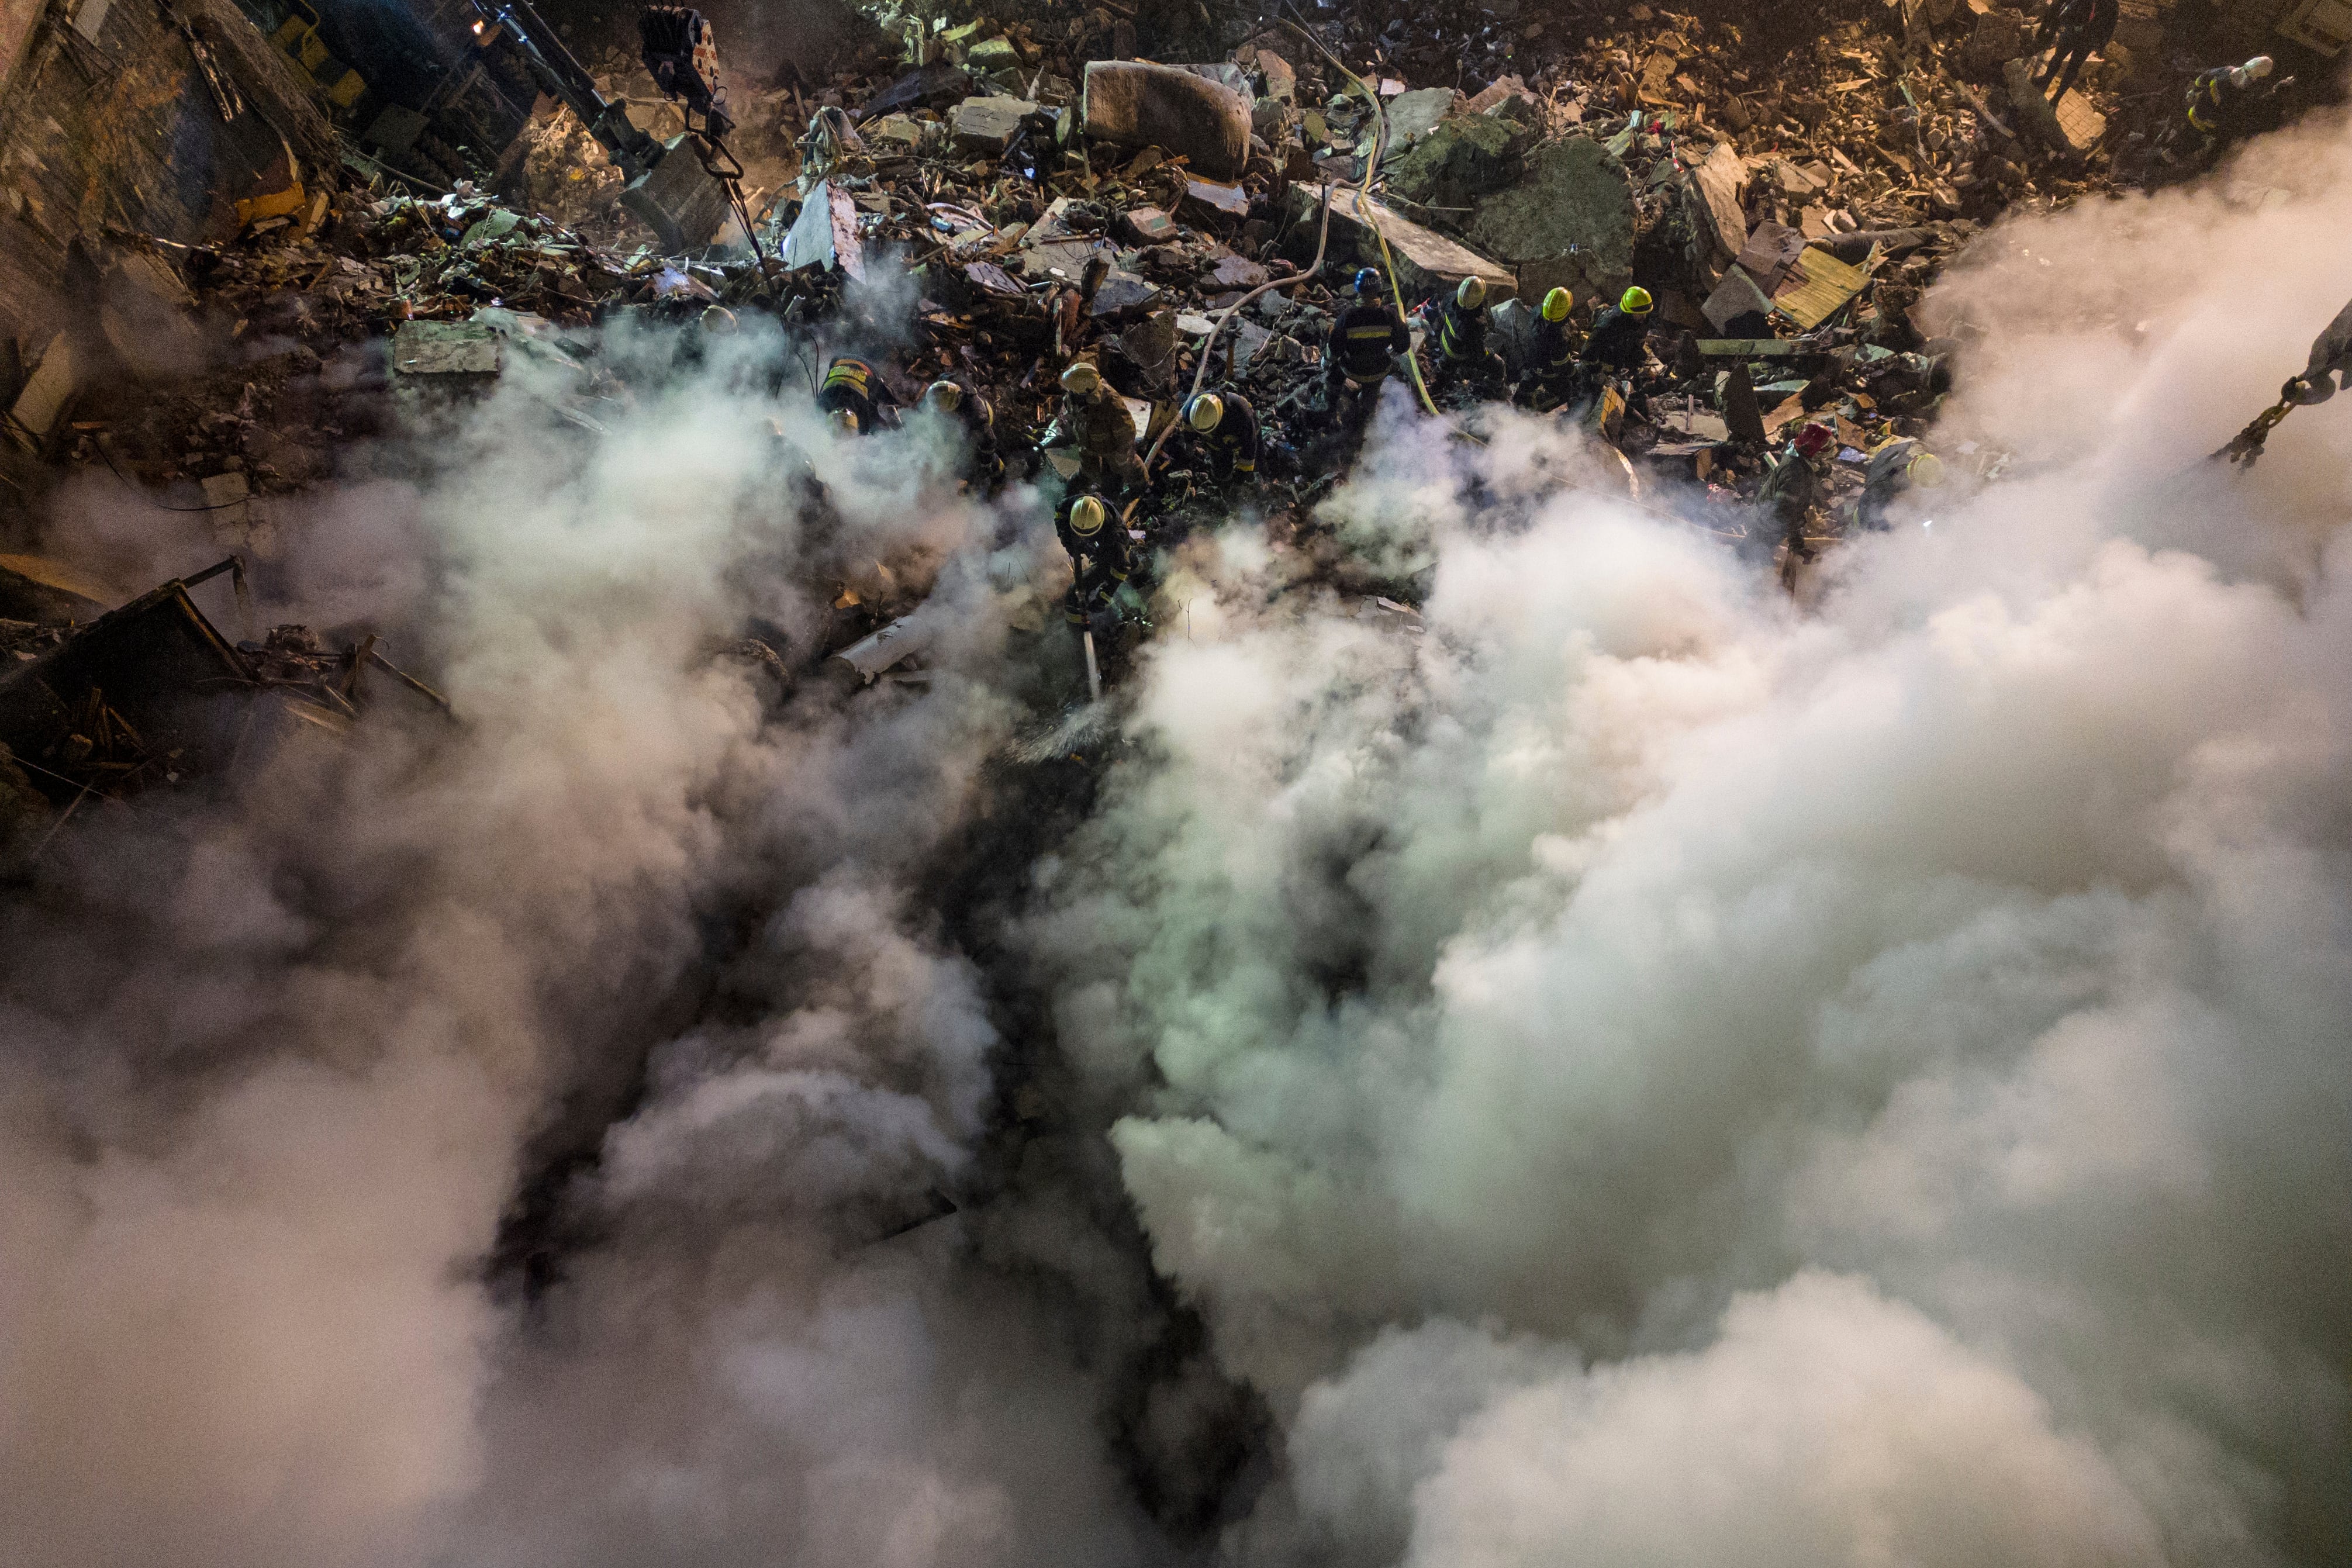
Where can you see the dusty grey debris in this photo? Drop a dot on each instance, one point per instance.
(1121, 291)
(825, 233)
(1567, 224)
(1132, 103)
(1721, 180)
(1461, 159)
(1150, 225)
(1738, 306)
(1410, 117)
(1225, 74)
(1425, 259)
(446, 348)
(988, 125)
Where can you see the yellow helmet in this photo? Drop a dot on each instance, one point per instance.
(1082, 377)
(1087, 515)
(1925, 470)
(1204, 412)
(718, 319)
(1470, 294)
(844, 421)
(944, 395)
(1635, 301)
(1556, 304)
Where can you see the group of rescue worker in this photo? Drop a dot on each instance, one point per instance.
(1222, 441)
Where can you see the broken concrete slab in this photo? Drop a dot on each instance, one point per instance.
(1233, 272)
(1567, 224)
(1225, 74)
(991, 56)
(936, 85)
(1132, 103)
(1150, 225)
(1120, 292)
(1063, 259)
(1500, 92)
(2000, 34)
(146, 315)
(2082, 126)
(49, 392)
(446, 348)
(987, 125)
(1209, 199)
(2047, 123)
(826, 232)
(1281, 82)
(1410, 117)
(1720, 181)
(1462, 158)
(1738, 306)
(1771, 248)
(1425, 261)
(991, 279)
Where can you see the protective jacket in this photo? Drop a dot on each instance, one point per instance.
(851, 386)
(1617, 339)
(1100, 561)
(1887, 476)
(1365, 342)
(1231, 447)
(1462, 332)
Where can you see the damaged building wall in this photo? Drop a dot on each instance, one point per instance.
(109, 125)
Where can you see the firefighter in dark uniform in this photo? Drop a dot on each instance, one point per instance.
(2073, 30)
(2220, 101)
(1551, 373)
(1101, 557)
(1896, 468)
(1786, 501)
(1225, 431)
(1462, 352)
(971, 410)
(1366, 340)
(1620, 334)
(853, 396)
(1094, 420)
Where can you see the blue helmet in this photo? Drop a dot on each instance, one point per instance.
(1368, 281)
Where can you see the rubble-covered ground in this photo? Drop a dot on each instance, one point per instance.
(592, 978)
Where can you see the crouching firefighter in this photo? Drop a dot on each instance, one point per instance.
(853, 396)
(1225, 431)
(1365, 342)
(1895, 470)
(1619, 338)
(2224, 104)
(971, 410)
(1101, 557)
(1462, 352)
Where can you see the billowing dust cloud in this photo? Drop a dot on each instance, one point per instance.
(1612, 1068)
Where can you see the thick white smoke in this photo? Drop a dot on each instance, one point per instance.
(1624, 1068)
(1636, 1073)
(279, 1063)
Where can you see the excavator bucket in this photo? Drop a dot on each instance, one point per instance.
(682, 202)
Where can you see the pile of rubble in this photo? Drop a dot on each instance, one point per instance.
(1785, 192)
